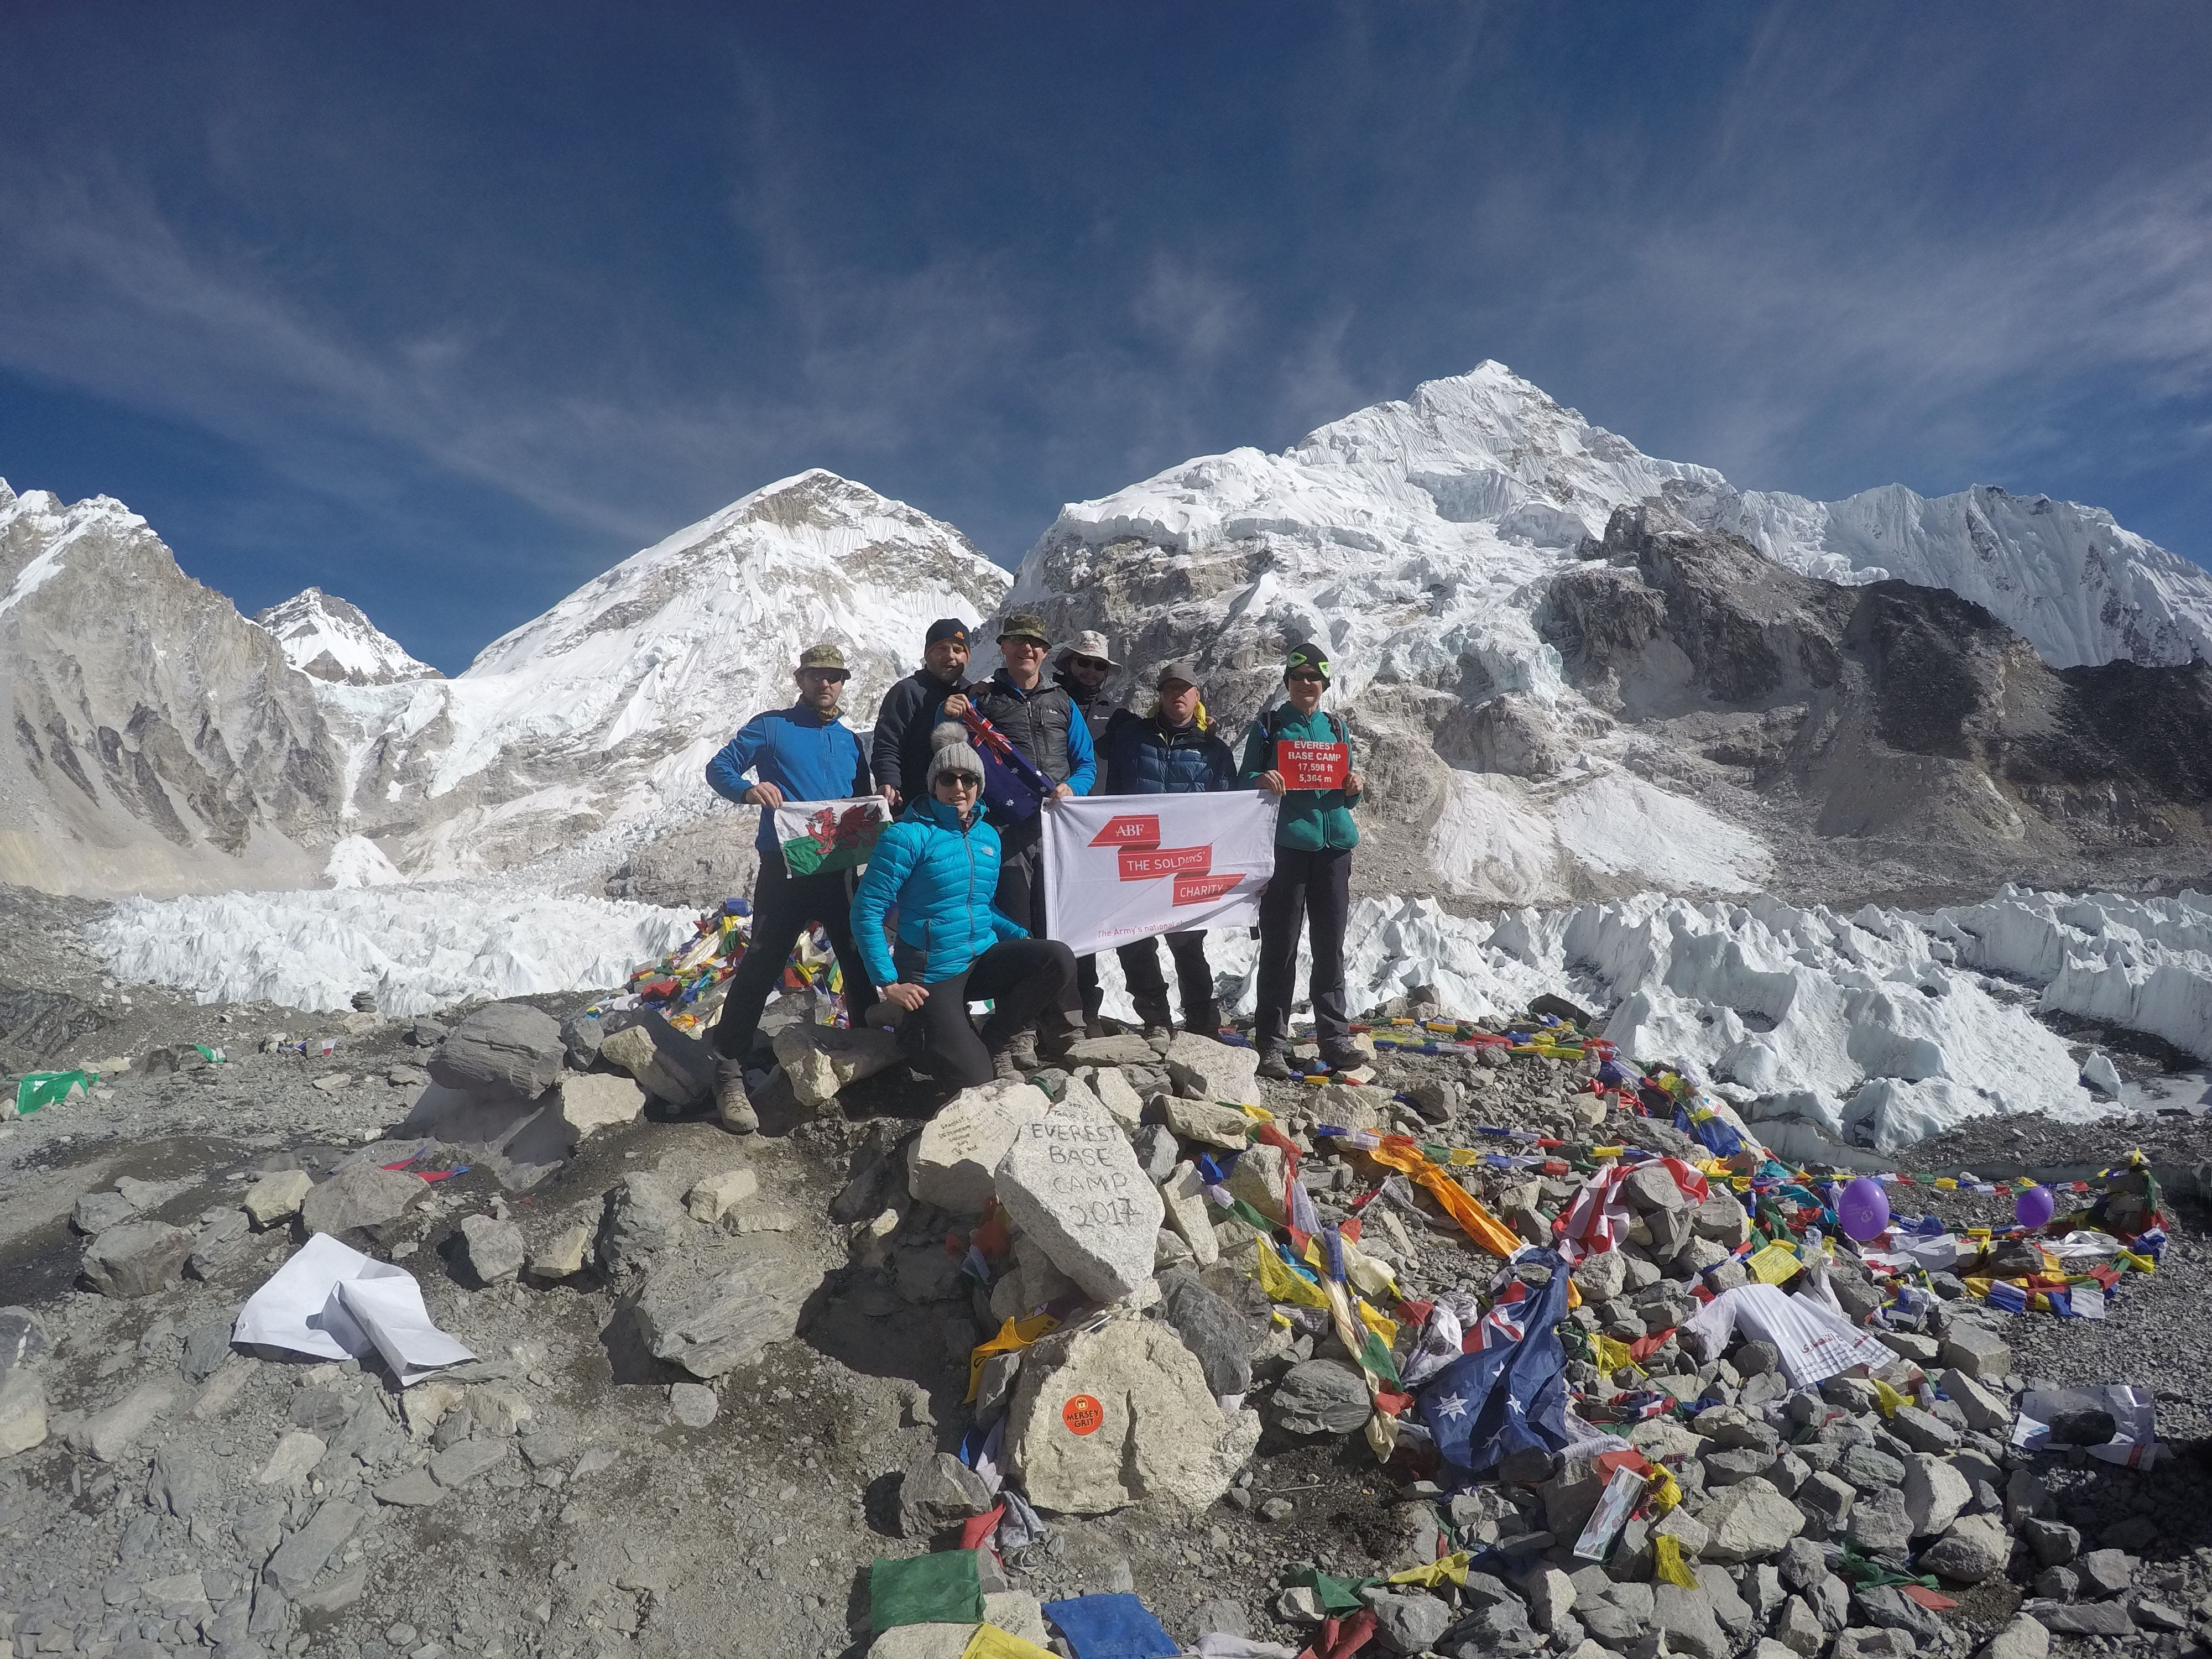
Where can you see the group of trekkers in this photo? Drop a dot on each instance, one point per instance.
(967, 880)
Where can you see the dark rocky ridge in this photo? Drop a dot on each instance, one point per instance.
(1895, 716)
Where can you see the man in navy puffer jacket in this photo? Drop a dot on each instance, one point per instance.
(805, 752)
(1171, 751)
(939, 866)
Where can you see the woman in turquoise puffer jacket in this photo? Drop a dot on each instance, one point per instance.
(938, 866)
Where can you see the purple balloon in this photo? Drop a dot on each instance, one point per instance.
(2033, 1208)
(1863, 1209)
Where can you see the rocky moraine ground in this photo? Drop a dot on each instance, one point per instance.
(716, 1378)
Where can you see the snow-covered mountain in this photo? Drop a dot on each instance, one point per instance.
(170, 745)
(1422, 541)
(331, 639)
(2065, 577)
(594, 722)
(155, 739)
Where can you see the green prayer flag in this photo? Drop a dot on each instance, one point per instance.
(925, 1589)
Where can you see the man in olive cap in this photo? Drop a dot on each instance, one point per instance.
(805, 752)
(1042, 720)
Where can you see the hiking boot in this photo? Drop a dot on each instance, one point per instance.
(1003, 1069)
(732, 1104)
(1205, 1022)
(1273, 1065)
(1341, 1058)
(1022, 1055)
(1157, 1032)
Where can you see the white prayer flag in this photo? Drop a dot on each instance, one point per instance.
(1119, 868)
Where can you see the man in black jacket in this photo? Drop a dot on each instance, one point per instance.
(899, 750)
(1087, 663)
(1042, 720)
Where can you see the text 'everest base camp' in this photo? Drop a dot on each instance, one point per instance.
(1673, 1126)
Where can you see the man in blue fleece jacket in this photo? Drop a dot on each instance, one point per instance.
(805, 752)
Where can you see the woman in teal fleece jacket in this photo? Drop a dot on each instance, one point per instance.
(938, 866)
(1314, 838)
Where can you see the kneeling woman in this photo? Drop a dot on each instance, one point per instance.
(938, 866)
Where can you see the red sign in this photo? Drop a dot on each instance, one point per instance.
(1082, 1414)
(1202, 890)
(1312, 765)
(1168, 861)
(1129, 831)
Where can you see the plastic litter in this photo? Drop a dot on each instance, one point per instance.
(39, 1089)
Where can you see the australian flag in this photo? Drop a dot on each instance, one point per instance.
(1013, 788)
(1509, 1394)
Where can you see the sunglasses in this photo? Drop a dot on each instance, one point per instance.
(825, 675)
(1089, 662)
(960, 780)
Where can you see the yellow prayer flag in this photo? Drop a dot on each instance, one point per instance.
(989, 1642)
(1384, 1328)
(1281, 1285)
(1666, 1566)
(1012, 1334)
(1774, 1264)
(1451, 1569)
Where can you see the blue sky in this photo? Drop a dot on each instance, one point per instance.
(447, 308)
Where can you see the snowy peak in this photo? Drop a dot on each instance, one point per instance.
(1486, 447)
(1489, 458)
(327, 637)
(599, 716)
(2066, 577)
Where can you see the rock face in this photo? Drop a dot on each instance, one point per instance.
(953, 1163)
(360, 1196)
(137, 1259)
(161, 745)
(1070, 1182)
(276, 1196)
(1206, 1069)
(659, 1070)
(710, 1326)
(1121, 1414)
(821, 1060)
(593, 1100)
(508, 1045)
(1900, 712)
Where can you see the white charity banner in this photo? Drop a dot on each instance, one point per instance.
(1119, 868)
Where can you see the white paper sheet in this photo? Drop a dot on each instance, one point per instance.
(331, 1301)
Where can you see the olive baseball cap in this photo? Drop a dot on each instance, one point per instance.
(823, 656)
(1025, 625)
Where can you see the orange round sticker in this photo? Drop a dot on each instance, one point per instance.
(1082, 1414)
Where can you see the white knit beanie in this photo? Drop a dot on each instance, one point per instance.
(950, 751)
